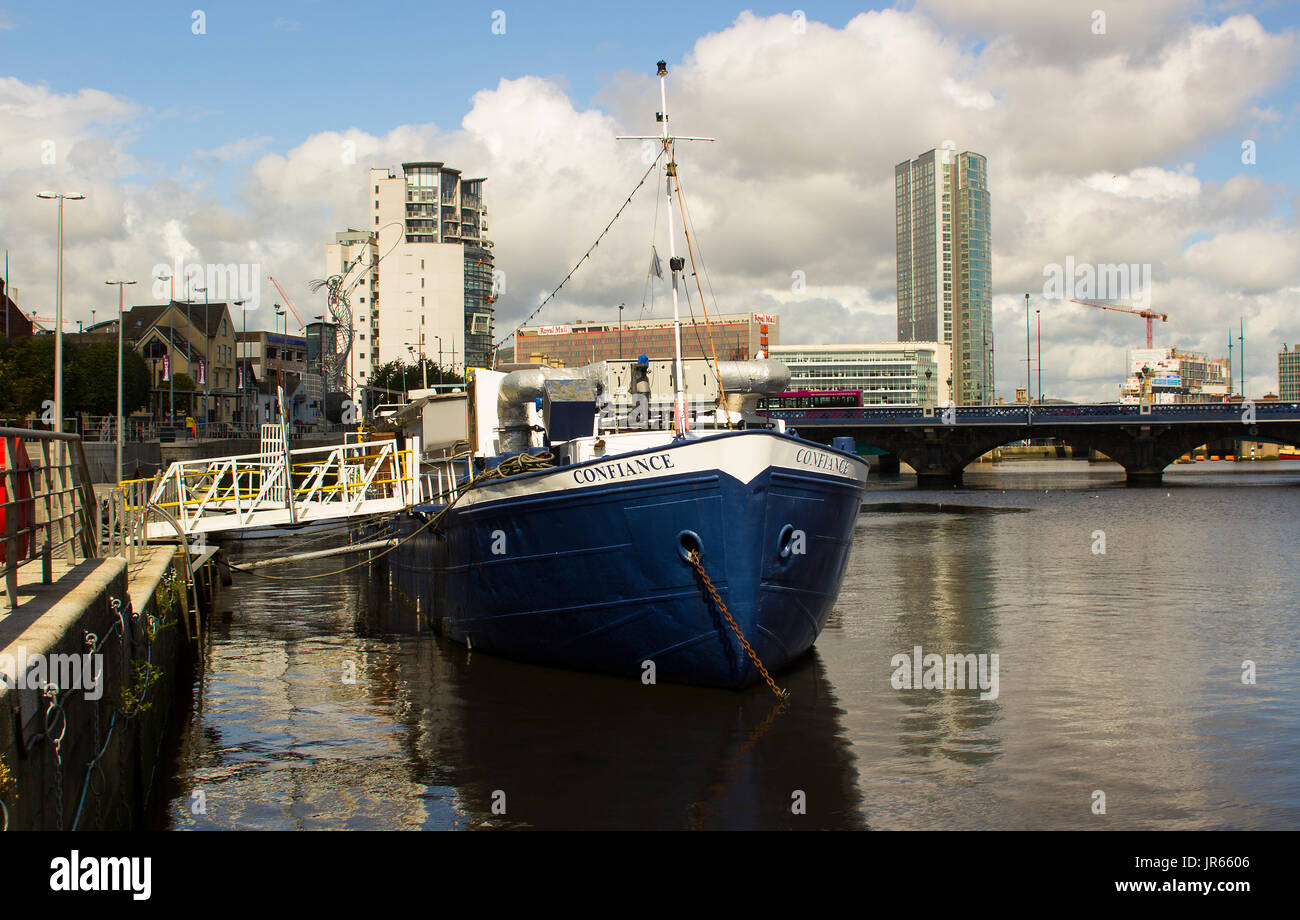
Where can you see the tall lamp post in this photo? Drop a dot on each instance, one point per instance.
(239, 377)
(189, 342)
(1029, 362)
(1038, 320)
(58, 311)
(119, 375)
(207, 354)
(1241, 338)
(620, 331)
(171, 350)
(279, 375)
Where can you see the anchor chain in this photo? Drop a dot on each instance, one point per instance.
(744, 643)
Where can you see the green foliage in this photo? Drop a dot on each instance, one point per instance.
(183, 385)
(169, 598)
(89, 377)
(399, 376)
(91, 380)
(27, 374)
(8, 785)
(145, 675)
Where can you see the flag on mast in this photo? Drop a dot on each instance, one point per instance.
(655, 265)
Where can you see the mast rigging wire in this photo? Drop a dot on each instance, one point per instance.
(585, 256)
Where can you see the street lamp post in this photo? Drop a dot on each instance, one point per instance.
(207, 355)
(620, 331)
(279, 376)
(1029, 362)
(58, 311)
(1038, 320)
(1241, 339)
(119, 375)
(189, 343)
(171, 363)
(239, 378)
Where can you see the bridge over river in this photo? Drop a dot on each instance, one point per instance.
(938, 443)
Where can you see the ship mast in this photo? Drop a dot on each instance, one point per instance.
(681, 422)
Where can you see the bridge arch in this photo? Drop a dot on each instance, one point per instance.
(940, 452)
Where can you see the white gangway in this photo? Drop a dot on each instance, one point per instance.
(281, 488)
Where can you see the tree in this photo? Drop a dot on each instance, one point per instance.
(185, 387)
(27, 374)
(92, 380)
(399, 376)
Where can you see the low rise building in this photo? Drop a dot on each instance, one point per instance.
(194, 339)
(732, 336)
(887, 373)
(1169, 375)
(16, 324)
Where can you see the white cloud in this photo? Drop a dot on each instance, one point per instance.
(1254, 261)
(808, 128)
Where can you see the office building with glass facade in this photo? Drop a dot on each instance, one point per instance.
(944, 269)
(1288, 374)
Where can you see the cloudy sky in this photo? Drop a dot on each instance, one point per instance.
(1149, 132)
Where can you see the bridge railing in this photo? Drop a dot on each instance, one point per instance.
(1020, 414)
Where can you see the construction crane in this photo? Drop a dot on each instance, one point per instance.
(48, 322)
(288, 303)
(1148, 315)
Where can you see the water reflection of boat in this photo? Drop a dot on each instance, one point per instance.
(567, 750)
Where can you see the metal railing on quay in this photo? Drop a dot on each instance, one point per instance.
(48, 503)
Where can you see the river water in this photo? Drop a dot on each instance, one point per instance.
(1120, 697)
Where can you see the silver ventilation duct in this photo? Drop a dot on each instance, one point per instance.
(762, 375)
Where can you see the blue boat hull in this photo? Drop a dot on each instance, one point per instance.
(596, 576)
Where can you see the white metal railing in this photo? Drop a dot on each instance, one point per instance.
(316, 483)
(444, 477)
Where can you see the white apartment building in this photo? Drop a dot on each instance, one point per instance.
(428, 267)
(887, 373)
